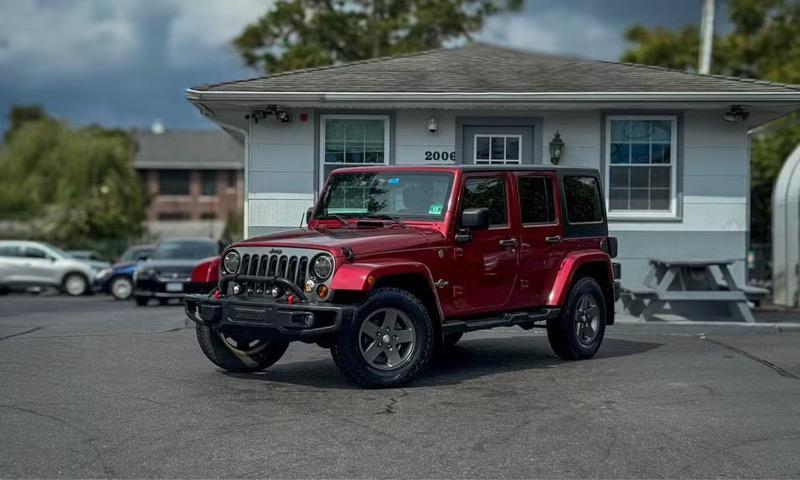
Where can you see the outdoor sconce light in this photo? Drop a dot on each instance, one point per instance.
(433, 125)
(737, 113)
(556, 148)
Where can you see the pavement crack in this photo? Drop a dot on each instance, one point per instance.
(30, 330)
(780, 371)
(393, 400)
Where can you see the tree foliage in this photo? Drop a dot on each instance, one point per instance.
(296, 34)
(764, 43)
(76, 185)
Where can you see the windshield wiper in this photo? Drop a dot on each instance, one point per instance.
(383, 216)
(337, 217)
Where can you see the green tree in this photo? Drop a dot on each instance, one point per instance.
(296, 34)
(764, 43)
(75, 185)
(20, 114)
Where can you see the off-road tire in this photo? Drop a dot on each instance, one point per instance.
(346, 349)
(141, 301)
(75, 276)
(217, 350)
(561, 331)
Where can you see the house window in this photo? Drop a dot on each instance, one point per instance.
(640, 155)
(209, 183)
(497, 149)
(352, 140)
(173, 182)
(232, 179)
(208, 216)
(170, 216)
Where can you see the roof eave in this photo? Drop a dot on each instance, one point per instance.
(489, 97)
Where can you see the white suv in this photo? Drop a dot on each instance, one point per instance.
(34, 264)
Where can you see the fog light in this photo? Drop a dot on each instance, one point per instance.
(309, 286)
(322, 291)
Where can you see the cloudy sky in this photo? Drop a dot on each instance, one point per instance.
(125, 63)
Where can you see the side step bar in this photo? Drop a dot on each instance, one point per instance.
(526, 320)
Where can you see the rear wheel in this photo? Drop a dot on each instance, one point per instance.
(236, 352)
(578, 331)
(387, 342)
(75, 284)
(121, 287)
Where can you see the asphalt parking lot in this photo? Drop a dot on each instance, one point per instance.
(94, 388)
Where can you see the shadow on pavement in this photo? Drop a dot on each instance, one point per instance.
(469, 359)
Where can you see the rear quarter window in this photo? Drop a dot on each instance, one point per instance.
(582, 196)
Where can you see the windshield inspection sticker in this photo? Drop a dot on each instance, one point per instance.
(394, 181)
(436, 209)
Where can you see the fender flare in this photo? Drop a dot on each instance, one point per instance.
(362, 276)
(571, 263)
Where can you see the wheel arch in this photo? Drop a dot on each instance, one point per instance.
(589, 263)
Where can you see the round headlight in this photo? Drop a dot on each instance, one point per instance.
(323, 267)
(231, 262)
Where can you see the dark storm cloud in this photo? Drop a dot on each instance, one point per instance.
(127, 62)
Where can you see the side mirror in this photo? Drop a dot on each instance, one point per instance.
(309, 214)
(475, 218)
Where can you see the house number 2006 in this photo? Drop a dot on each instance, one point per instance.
(437, 156)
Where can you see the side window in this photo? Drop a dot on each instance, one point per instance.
(10, 251)
(583, 199)
(536, 200)
(488, 192)
(33, 252)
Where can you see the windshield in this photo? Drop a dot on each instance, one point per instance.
(132, 254)
(387, 194)
(185, 249)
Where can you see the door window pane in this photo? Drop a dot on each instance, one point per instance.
(482, 148)
(173, 182)
(640, 160)
(536, 200)
(512, 148)
(583, 199)
(33, 252)
(10, 251)
(355, 140)
(498, 149)
(488, 192)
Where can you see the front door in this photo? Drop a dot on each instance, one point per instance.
(492, 145)
(487, 263)
(540, 249)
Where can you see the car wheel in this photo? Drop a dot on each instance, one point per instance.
(235, 352)
(387, 342)
(578, 331)
(75, 284)
(142, 301)
(121, 287)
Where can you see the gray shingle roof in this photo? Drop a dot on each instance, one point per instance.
(485, 68)
(187, 149)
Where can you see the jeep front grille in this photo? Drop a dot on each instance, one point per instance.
(293, 268)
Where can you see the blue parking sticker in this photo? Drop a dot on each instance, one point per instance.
(394, 181)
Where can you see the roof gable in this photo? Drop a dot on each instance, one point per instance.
(483, 68)
(187, 149)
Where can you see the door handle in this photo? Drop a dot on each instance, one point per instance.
(509, 242)
(553, 239)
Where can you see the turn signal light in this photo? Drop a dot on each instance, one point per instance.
(322, 291)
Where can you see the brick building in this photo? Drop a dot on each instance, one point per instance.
(195, 179)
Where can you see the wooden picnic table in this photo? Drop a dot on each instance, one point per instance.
(683, 281)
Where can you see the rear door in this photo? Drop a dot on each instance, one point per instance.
(541, 248)
(486, 264)
(10, 263)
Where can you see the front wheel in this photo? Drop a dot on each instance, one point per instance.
(578, 331)
(121, 287)
(235, 352)
(387, 342)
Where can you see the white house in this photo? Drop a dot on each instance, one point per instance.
(673, 147)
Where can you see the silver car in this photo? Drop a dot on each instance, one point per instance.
(34, 264)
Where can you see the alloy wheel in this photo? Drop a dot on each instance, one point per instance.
(587, 319)
(387, 339)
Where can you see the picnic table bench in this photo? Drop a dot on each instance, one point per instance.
(686, 281)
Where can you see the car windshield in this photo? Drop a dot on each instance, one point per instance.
(184, 249)
(387, 195)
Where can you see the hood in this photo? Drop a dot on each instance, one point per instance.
(181, 263)
(362, 240)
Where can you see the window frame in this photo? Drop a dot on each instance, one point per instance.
(490, 161)
(323, 119)
(188, 174)
(670, 214)
(555, 199)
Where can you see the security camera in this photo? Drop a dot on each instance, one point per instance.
(284, 116)
(433, 125)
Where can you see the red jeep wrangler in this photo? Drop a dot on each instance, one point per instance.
(399, 261)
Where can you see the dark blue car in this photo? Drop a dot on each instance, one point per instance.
(118, 280)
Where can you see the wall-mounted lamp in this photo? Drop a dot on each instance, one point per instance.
(433, 125)
(283, 116)
(556, 148)
(737, 113)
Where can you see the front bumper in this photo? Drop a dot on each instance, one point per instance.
(158, 289)
(274, 320)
